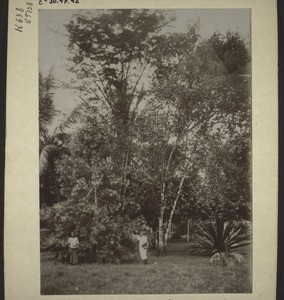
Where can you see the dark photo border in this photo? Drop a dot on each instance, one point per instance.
(280, 262)
(3, 69)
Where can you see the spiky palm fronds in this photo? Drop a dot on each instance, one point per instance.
(70, 119)
(221, 239)
(237, 256)
(50, 146)
(224, 259)
(46, 153)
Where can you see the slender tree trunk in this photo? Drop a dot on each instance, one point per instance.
(124, 174)
(162, 240)
(187, 234)
(89, 193)
(169, 232)
(174, 206)
(165, 240)
(160, 236)
(161, 219)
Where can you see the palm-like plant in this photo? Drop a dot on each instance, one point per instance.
(221, 239)
(51, 144)
(47, 111)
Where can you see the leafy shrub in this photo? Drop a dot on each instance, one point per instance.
(221, 239)
(104, 233)
(59, 220)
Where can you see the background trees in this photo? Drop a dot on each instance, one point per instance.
(48, 144)
(162, 134)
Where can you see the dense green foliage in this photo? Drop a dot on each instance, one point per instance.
(105, 234)
(162, 133)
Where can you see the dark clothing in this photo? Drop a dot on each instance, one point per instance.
(73, 256)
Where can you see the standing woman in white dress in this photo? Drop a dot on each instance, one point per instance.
(143, 246)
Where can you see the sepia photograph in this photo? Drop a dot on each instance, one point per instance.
(145, 151)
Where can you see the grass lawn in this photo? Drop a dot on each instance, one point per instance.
(177, 273)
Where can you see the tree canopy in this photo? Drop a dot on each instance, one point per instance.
(163, 130)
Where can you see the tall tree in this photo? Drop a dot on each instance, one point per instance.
(49, 192)
(52, 144)
(199, 100)
(151, 102)
(111, 55)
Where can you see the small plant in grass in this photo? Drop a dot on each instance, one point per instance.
(222, 239)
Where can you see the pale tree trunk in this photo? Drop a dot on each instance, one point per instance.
(161, 220)
(161, 238)
(124, 180)
(169, 224)
(89, 193)
(187, 235)
(169, 234)
(161, 229)
(165, 239)
(174, 206)
(163, 234)
(93, 189)
(164, 230)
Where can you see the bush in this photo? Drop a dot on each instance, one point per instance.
(221, 239)
(105, 234)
